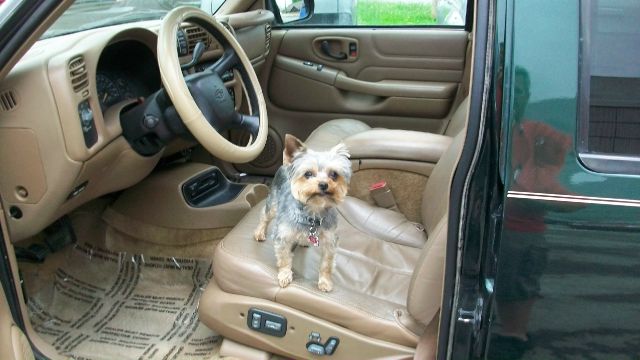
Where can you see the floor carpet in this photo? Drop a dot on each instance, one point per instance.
(104, 304)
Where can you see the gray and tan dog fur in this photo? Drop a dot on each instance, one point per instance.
(301, 206)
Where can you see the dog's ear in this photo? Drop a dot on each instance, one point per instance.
(292, 147)
(341, 150)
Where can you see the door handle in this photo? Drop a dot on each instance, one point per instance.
(326, 49)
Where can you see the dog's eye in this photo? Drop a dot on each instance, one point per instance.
(308, 174)
(333, 175)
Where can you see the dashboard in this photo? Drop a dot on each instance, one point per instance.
(118, 78)
(62, 142)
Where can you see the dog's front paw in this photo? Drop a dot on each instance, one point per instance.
(260, 235)
(284, 277)
(325, 284)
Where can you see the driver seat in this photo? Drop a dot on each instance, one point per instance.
(386, 294)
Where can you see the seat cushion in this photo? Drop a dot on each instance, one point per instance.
(332, 132)
(371, 279)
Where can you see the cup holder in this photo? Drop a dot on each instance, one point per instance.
(257, 194)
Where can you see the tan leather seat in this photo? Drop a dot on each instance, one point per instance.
(335, 131)
(388, 274)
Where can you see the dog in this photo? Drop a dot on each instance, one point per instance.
(301, 206)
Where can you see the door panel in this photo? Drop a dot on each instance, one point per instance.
(329, 89)
(390, 72)
(396, 78)
(13, 343)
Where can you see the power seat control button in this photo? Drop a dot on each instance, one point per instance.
(255, 320)
(272, 325)
(331, 345)
(315, 349)
(267, 322)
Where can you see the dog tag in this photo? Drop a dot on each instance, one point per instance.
(314, 240)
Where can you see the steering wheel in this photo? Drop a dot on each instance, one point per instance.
(202, 101)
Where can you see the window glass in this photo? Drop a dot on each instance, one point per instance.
(373, 12)
(90, 14)
(610, 108)
(7, 7)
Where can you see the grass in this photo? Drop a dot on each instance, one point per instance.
(377, 12)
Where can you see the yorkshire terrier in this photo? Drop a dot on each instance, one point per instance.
(303, 199)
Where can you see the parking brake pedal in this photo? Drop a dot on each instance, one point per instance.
(57, 236)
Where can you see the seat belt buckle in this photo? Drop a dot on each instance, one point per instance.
(382, 195)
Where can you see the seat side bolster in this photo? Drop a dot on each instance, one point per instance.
(384, 224)
(262, 281)
(425, 294)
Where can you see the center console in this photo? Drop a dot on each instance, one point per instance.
(188, 197)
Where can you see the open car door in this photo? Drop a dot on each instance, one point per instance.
(14, 345)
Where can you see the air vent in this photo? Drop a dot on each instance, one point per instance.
(78, 74)
(8, 100)
(195, 34)
(267, 38)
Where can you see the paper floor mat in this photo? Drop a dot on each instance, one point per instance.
(107, 305)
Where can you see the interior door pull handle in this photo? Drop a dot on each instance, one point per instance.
(326, 49)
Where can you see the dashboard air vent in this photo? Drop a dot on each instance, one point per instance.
(8, 100)
(78, 74)
(195, 34)
(267, 38)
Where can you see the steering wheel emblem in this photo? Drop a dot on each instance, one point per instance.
(219, 95)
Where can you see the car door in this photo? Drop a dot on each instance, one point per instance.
(347, 59)
(566, 284)
(14, 345)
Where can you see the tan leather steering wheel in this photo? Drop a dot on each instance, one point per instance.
(201, 100)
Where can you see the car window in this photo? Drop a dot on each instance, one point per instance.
(610, 86)
(371, 12)
(7, 8)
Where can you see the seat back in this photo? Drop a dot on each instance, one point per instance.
(458, 119)
(425, 295)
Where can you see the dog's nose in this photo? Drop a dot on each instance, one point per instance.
(323, 186)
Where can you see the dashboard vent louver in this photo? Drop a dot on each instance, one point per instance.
(8, 100)
(195, 34)
(267, 38)
(78, 74)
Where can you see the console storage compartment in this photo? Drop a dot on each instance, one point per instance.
(192, 196)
